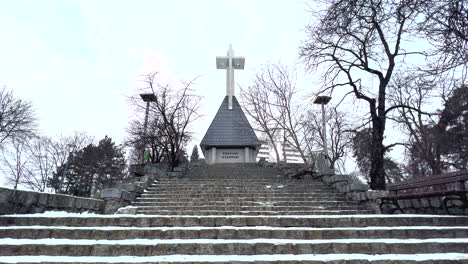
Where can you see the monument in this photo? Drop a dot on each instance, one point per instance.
(230, 138)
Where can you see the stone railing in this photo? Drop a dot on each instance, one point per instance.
(27, 202)
(354, 189)
(123, 194)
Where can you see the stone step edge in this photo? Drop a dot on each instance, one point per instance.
(155, 205)
(275, 241)
(236, 212)
(318, 258)
(270, 228)
(61, 214)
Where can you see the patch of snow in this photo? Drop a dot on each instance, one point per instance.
(261, 203)
(268, 186)
(129, 207)
(243, 258)
(280, 186)
(127, 210)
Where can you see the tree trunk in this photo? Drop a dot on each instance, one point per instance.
(377, 172)
(272, 140)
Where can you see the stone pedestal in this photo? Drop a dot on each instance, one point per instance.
(230, 155)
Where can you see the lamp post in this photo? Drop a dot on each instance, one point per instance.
(147, 97)
(323, 100)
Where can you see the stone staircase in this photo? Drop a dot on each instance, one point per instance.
(243, 190)
(236, 214)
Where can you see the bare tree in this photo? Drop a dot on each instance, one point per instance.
(356, 39)
(41, 164)
(176, 109)
(15, 163)
(278, 84)
(257, 103)
(424, 149)
(138, 139)
(436, 139)
(339, 137)
(17, 118)
(444, 23)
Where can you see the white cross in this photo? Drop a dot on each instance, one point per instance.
(230, 63)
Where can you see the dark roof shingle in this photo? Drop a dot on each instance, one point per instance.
(230, 128)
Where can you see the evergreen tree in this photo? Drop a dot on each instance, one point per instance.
(194, 156)
(92, 168)
(454, 121)
(362, 154)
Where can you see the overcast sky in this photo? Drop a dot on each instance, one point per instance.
(77, 61)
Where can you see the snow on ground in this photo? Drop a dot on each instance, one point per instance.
(243, 258)
(88, 214)
(60, 241)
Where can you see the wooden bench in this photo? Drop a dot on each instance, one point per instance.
(448, 187)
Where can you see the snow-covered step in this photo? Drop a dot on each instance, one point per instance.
(74, 219)
(248, 212)
(448, 258)
(241, 195)
(248, 187)
(231, 232)
(195, 202)
(154, 247)
(256, 207)
(301, 199)
(283, 200)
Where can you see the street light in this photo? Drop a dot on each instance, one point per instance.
(147, 97)
(323, 100)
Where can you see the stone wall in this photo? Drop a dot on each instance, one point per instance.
(26, 202)
(427, 205)
(123, 194)
(358, 191)
(353, 189)
(108, 200)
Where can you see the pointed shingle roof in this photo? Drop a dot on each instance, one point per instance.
(230, 128)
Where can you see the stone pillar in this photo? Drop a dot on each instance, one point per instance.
(247, 156)
(213, 155)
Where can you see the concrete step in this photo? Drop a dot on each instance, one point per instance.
(239, 189)
(278, 200)
(230, 232)
(244, 195)
(236, 214)
(188, 183)
(257, 212)
(157, 247)
(449, 258)
(237, 220)
(249, 208)
(146, 202)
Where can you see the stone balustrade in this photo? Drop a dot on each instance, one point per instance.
(352, 188)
